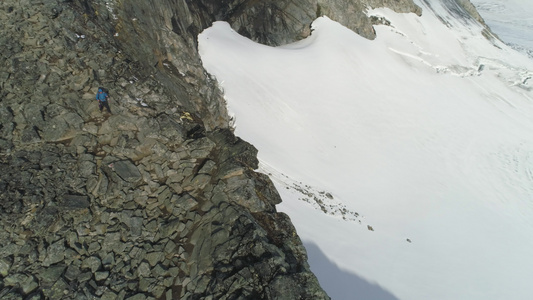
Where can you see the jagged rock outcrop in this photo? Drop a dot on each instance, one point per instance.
(157, 201)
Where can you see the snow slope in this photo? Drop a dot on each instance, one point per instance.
(511, 20)
(405, 163)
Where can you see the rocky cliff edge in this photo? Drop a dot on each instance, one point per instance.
(158, 200)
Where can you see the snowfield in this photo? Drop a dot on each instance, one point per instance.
(405, 163)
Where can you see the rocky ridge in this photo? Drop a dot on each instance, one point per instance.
(158, 200)
(146, 203)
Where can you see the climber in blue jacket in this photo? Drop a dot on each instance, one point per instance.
(102, 96)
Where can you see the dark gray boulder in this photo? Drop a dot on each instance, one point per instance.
(127, 171)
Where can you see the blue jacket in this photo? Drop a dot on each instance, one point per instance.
(101, 96)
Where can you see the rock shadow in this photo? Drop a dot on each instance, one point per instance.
(340, 284)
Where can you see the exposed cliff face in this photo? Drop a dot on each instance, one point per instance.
(159, 199)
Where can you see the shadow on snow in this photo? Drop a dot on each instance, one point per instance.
(341, 284)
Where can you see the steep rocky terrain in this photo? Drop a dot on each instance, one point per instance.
(158, 200)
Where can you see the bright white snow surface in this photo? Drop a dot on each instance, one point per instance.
(425, 133)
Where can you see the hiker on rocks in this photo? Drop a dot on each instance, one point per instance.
(102, 96)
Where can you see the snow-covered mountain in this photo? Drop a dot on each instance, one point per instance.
(405, 162)
(511, 20)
